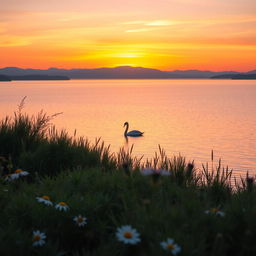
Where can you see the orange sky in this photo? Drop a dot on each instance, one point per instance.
(164, 34)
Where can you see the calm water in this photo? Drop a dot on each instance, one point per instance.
(190, 117)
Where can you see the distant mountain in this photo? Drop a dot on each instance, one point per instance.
(244, 76)
(32, 77)
(226, 76)
(4, 78)
(197, 73)
(247, 75)
(123, 72)
(39, 77)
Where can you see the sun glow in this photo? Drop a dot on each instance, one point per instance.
(111, 33)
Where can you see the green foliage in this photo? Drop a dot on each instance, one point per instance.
(110, 200)
(110, 192)
(35, 145)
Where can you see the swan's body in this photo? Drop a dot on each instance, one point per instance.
(133, 133)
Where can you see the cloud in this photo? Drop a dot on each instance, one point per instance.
(138, 30)
(161, 23)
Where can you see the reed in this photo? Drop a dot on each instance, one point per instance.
(33, 143)
(200, 208)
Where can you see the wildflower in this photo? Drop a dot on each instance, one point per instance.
(216, 212)
(147, 172)
(150, 171)
(170, 246)
(155, 174)
(7, 177)
(62, 206)
(80, 220)
(44, 199)
(38, 238)
(164, 172)
(18, 173)
(128, 235)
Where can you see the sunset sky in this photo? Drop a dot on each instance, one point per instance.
(164, 34)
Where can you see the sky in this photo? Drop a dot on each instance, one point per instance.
(164, 34)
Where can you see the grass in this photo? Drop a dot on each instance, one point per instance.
(110, 191)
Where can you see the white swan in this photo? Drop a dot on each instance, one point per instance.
(133, 133)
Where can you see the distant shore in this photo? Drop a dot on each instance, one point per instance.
(122, 72)
(5, 78)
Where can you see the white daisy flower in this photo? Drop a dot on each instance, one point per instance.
(150, 171)
(44, 199)
(62, 206)
(80, 220)
(7, 177)
(18, 173)
(220, 213)
(128, 235)
(164, 172)
(170, 246)
(216, 212)
(147, 172)
(38, 238)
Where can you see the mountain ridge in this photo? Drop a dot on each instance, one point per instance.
(119, 72)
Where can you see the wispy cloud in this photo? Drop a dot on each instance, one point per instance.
(161, 23)
(139, 30)
(151, 22)
(105, 34)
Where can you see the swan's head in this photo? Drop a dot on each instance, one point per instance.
(126, 123)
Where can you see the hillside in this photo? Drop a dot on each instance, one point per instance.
(4, 78)
(123, 72)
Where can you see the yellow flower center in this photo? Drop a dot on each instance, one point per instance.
(62, 204)
(46, 198)
(37, 238)
(80, 219)
(170, 246)
(128, 235)
(18, 171)
(214, 210)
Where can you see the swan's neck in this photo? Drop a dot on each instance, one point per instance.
(126, 129)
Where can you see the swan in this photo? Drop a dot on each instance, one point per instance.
(133, 133)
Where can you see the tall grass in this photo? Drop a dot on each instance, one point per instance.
(110, 200)
(110, 191)
(33, 143)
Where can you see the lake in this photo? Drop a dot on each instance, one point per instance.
(190, 117)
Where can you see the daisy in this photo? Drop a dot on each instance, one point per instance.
(62, 206)
(164, 172)
(150, 171)
(128, 235)
(38, 238)
(18, 173)
(80, 220)
(216, 212)
(147, 172)
(44, 199)
(170, 246)
(7, 177)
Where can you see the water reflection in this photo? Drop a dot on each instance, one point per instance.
(190, 117)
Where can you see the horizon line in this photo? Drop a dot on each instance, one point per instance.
(123, 66)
